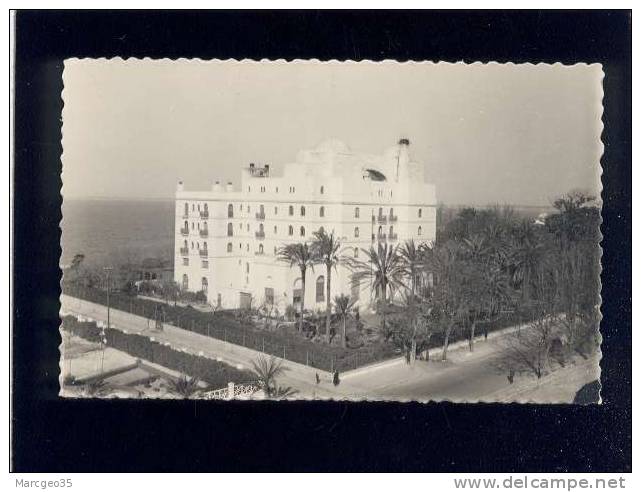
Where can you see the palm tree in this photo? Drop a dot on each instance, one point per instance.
(185, 386)
(300, 255)
(267, 370)
(411, 262)
(384, 269)
(527, 255)
(325, 249)
(343, 305)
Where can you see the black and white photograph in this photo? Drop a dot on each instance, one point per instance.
(380, 231)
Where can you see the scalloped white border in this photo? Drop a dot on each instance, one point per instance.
(334, 61)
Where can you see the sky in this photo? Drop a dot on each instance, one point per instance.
(486, 133)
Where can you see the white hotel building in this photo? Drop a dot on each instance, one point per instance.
(226, 238)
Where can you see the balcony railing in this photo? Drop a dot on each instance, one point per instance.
(185, 215)
(393, 236)
(204, 233)
(381, 237)
(260, 215)
(382, 219)
(393, 218)
(260, 235)
(204, 214)
(184, 231)
(204, 253)
(184, 251)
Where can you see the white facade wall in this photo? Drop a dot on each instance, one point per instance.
(330, 178)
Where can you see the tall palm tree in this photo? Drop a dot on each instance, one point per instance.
(343, 306)
(527, 255)
(299, 255)
(411, 263)
(325, 248)
(384, 269)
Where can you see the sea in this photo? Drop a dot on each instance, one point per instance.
(112, 232)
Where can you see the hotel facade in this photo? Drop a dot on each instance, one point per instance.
(227, 239)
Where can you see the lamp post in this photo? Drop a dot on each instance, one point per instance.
(108, 272)
(103, 335)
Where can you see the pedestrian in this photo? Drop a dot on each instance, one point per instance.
(337, 380)
(317, 379)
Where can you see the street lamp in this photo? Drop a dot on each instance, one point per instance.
(103, 334)
(108, 271)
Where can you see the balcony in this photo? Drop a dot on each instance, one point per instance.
(393, 236)
(204, 233)
(381, 237)
(184, 231)
(381, 219)
(184, 251)
(260, 234)
(260, 215)
(204, 214)
(393, 219)
(203, 252)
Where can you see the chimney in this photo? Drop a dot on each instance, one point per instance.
(180, 186)
(229, 187)
(216, 186)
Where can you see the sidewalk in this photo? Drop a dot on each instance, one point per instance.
(299, 377)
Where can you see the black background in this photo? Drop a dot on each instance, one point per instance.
(51, 434)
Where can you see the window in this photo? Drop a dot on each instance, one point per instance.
(230, 211)
(420, 230)
(302, 231)
(230, 229)
(277, 189)
(322, 190)
(291, 210)
(205, 245)
(247, 247)
(204, 264)
(322, 212)
(420, 213)
(262, 210)
(260, 249)
(248, 227)
(249, 188)
(357, 212)
(380, 230)
(249, 208)
(275, 210)
(302, 211)
(192, 226)
(320, 289)
(185, 282)
(275, 250)
(229, 247)
(391, 212)
(380, 211)
(186, 226)
(193, 207)
(192, 245)
(185, 261)
(269, 296)
(219, 300)
(199, 207)
(391, 230)
(204, 284)
(246, 267)
(186, 209)
(275, 229)
(291, 231)
(356, 232)
(355, 252)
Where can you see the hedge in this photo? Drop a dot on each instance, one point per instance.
(215, 373)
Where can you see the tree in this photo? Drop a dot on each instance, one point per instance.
(325, 249)
(267, 371)
(185, 386)
(299, 255)
(343, 306)
(384, 269)
(411, 262)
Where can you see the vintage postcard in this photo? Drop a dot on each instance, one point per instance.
(331, 230)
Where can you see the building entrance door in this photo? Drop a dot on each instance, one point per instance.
(245, 300)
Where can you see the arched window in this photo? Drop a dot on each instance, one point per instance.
(355, 252)
(230, 211)
(186, 208)
(391, 212)
(205, 245)
(302, 211)
(357, 212)
(229, 247)
(291, 231)
(320, 289)
(291, 210)
(193, 207)
(356, 232)
(275, 229)
(380, 211)
(261, 250)
(206, 208)
(420, 230)
(261, 229)
(185, 282)
(322, 212)
(322, 189)
(204, 284)
(199, 207)
(185, 245)
(230, 229)
(391, 230)
(420, 213)
(380, 230)
(302, 231)
(262, 210)
(186, 226)
(275, 210)
(247, 267)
